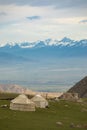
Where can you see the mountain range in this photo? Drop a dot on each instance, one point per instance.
(48, 65)
(27, 51)
(48, 42)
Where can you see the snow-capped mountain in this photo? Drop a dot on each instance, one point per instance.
(40, 50)
(48, 42)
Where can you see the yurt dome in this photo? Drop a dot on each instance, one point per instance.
(40, 101)
(22, 103)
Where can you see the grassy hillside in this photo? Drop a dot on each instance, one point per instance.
(8, 96)
(45, 119)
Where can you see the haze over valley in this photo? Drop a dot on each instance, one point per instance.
(49, 65)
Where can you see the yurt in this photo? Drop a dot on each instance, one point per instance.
(40, 101)
(22, 103)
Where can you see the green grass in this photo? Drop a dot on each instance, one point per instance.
(44, 119)
(10, 96)
(7, 96)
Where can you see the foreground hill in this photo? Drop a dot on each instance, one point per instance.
(80, 88)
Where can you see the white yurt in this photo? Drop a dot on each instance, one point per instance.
(40, 101)
(22, 103)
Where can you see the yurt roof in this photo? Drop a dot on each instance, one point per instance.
(22, 99)
(38, 98)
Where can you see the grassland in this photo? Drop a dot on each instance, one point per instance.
(8, 96)
(45, 119)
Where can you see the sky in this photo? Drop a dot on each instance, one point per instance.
(32, 20)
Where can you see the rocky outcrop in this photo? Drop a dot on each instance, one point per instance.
(69, 96)
(80, 88)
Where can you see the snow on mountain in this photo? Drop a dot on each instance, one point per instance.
(83, 42)
(27, 45)
(48, 42)
(67, 42)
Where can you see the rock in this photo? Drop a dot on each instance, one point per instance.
(59, 123)
(4, 106)
(84, 110)
(66, 105)
(56, 99)
(78, 126)
(72, 125)
(69, 96)
(85, 126)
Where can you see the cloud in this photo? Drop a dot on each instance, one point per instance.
(3, 14)
(63, 69)
(83, 21)
(53, 19)
(56, 3)
(33, 17)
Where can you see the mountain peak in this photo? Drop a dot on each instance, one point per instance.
(65, 39)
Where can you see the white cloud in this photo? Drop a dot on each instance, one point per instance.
(51, 23)
(64, 69)
(84, 21)
(56, 3)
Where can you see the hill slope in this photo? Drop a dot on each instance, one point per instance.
(13, 89)
(80, 88)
